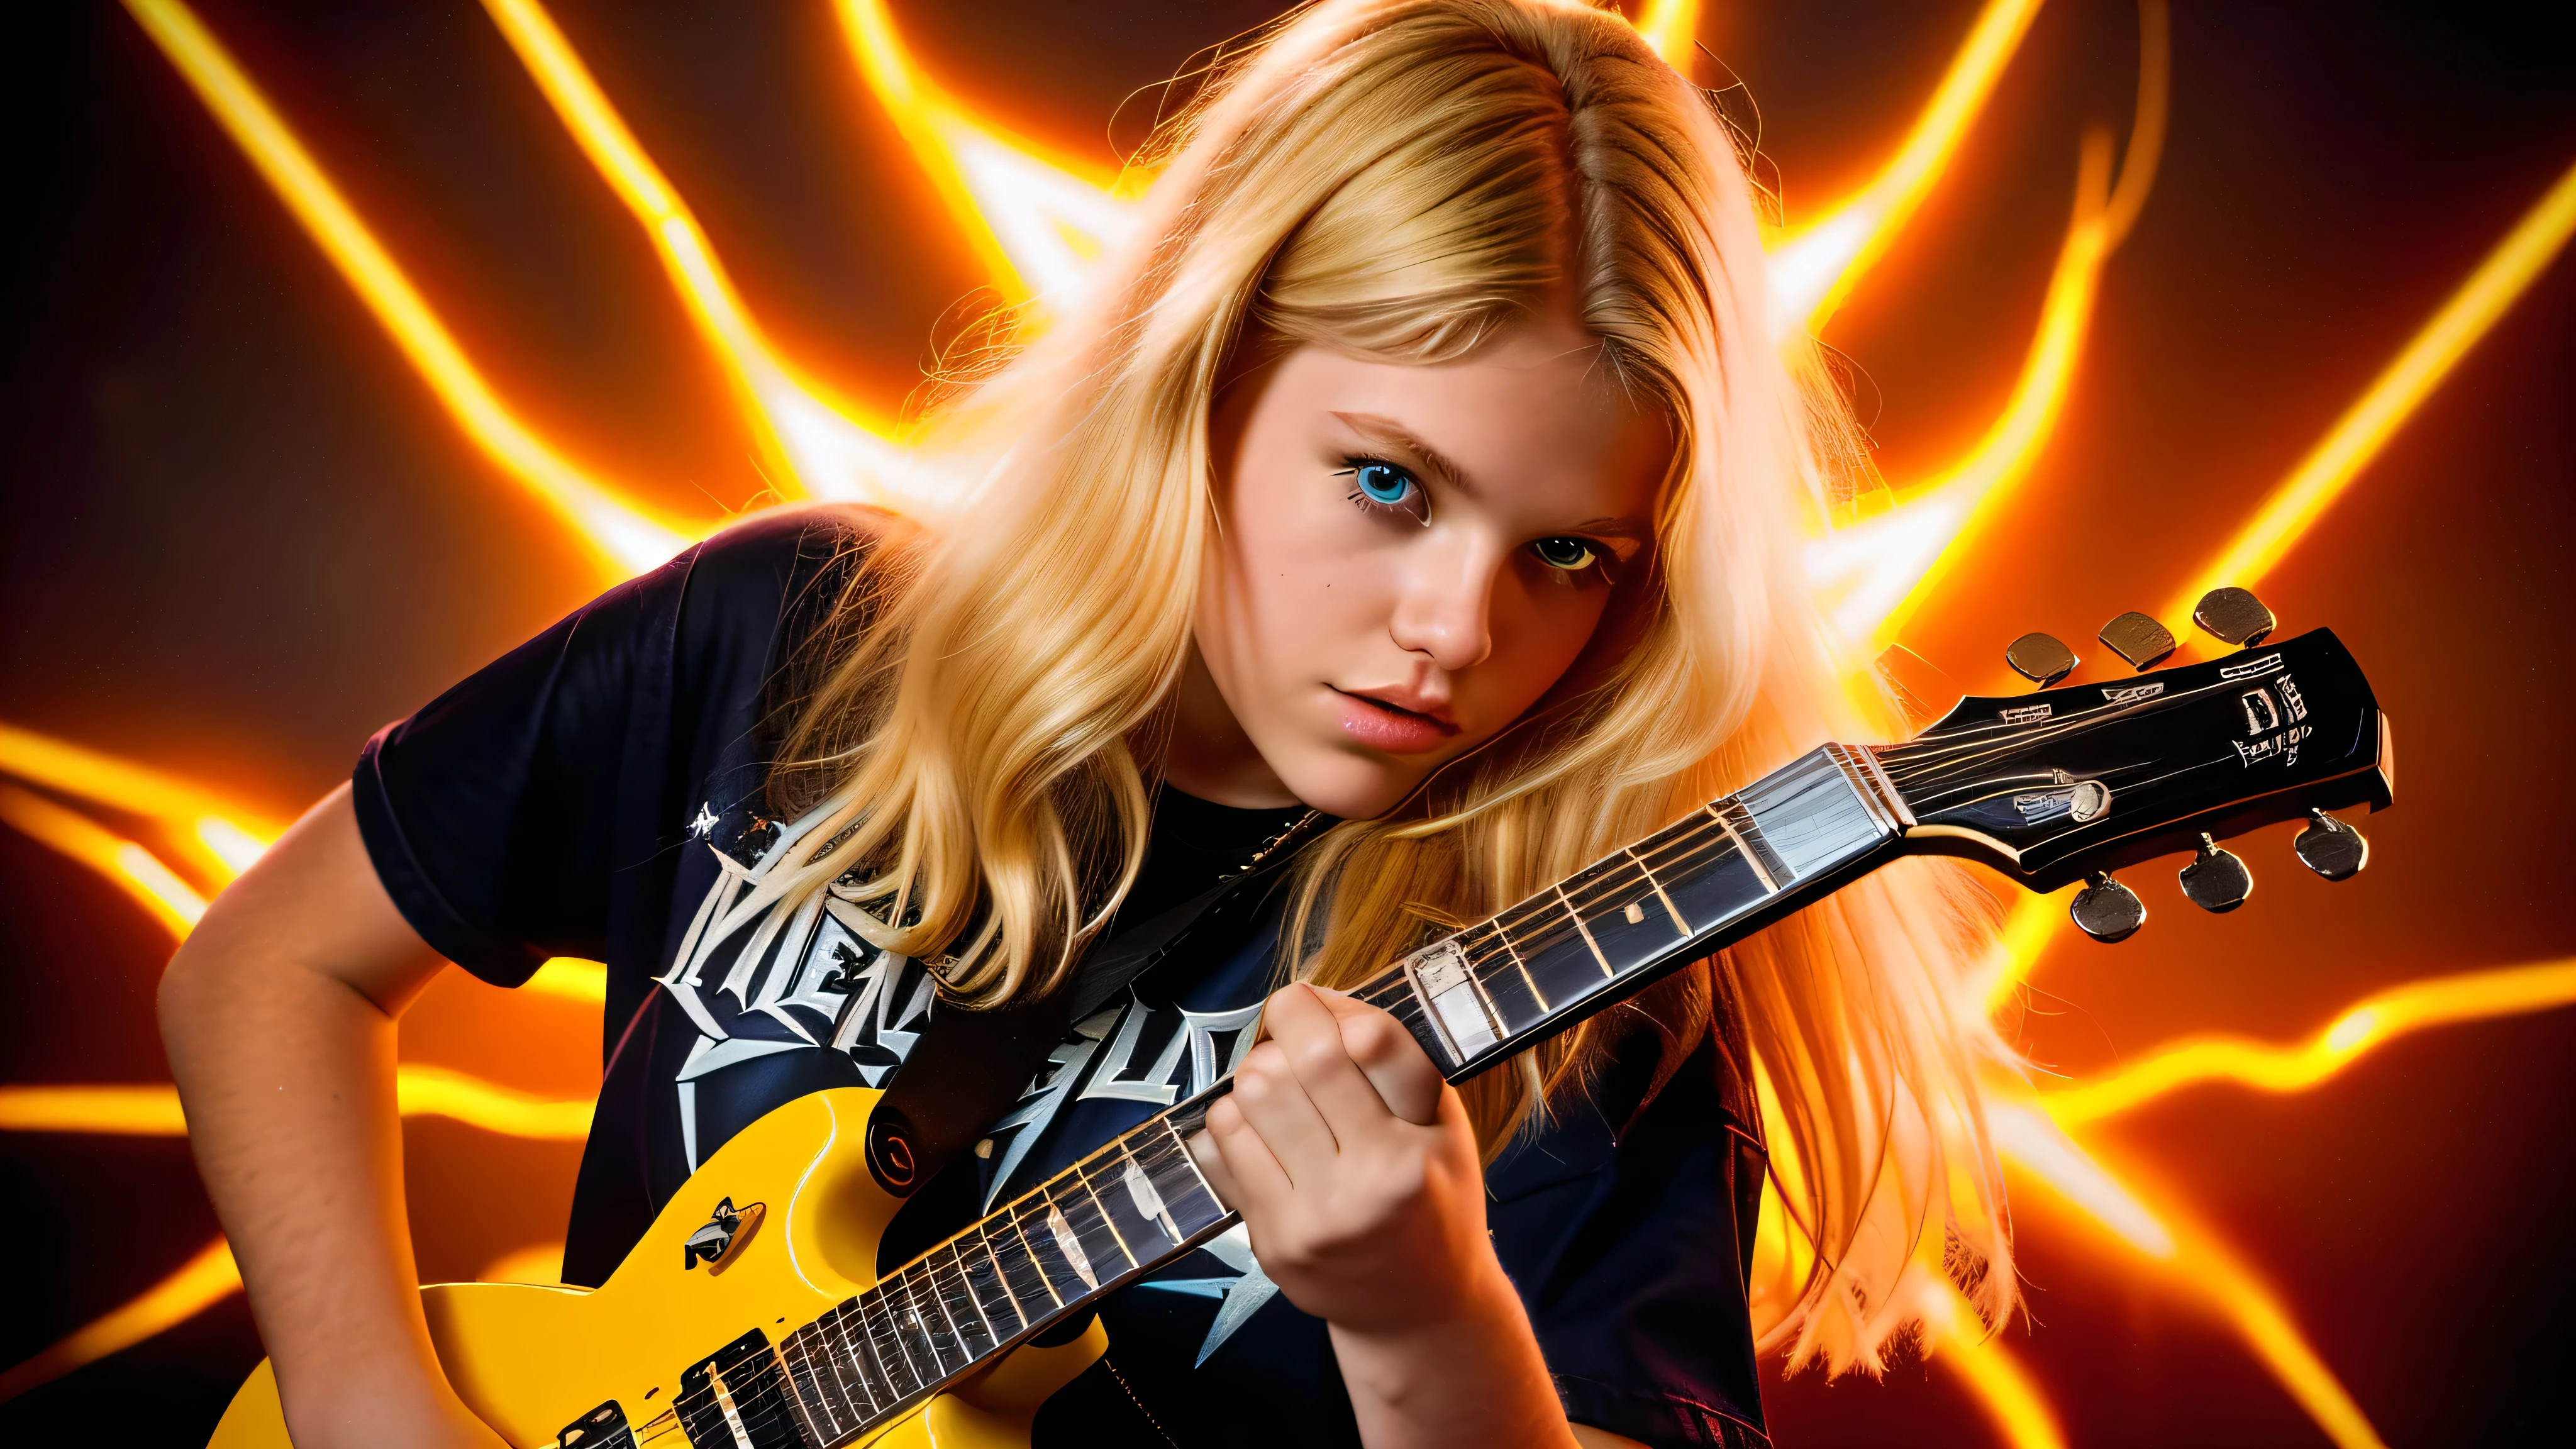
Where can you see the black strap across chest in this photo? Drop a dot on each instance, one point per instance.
(969, 1067)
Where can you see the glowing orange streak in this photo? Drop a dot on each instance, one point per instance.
(812, 444)
(202, 1282)
(60, 765)
(144, 1110)
(624, 538)
(128, 866)
(2197, 1263)
(1015, 201)
(1672, 28)
(2356, 438)
(1900, 558)
(1816, 269)
(1997, 1379)
(2028, 929)
(2377, 1019)
(1874, 574)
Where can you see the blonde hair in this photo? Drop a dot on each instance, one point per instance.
(1404, 179)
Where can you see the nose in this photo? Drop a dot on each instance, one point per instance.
(1445, 610)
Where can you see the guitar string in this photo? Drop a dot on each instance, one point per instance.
(1674, 851)
(1618, 875)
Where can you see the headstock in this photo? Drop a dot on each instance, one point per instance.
(2076, 781)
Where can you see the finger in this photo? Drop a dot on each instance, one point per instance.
(1252, 1177)
(1310, 1034)
(1388, 1055)
(1276, 1104)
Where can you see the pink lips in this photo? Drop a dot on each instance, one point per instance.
(1392, 728)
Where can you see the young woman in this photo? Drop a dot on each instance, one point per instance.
(1408, 518)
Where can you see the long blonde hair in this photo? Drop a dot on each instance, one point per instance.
(1404, 179)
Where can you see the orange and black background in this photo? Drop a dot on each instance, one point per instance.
(240, 535)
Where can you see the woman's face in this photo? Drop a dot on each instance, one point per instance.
(1408, 558)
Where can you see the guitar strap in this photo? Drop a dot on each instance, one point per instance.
(970, 1067)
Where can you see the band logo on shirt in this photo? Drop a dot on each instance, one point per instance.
(760, 981)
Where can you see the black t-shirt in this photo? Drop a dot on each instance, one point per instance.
(598, 792)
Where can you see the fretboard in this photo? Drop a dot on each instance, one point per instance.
(1473, 999)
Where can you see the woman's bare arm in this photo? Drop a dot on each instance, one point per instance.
(278, 1013)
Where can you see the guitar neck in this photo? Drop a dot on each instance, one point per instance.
(1472, 999)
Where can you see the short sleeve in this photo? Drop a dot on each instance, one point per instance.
(493, 814)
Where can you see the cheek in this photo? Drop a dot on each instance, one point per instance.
(1292, 574)
(1539, 626)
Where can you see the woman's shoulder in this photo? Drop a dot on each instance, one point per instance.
(764, 584)
(794, 533)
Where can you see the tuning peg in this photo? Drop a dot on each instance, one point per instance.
(2140, 640)
(2106, 910)
(2040, 659)
(2217, 882)
(2331, 848)
(2234, 616)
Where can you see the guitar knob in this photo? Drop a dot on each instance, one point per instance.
(2234, 616)
(2106, 910)
(2331, 848)
(2217, 882)
(2140, 640)
(2040, 659)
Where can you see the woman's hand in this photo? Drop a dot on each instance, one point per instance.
(1355, 1168)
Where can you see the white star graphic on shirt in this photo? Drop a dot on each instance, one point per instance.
(705, 824)
(1239, 1297)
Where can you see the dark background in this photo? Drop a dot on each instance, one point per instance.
(239, 535)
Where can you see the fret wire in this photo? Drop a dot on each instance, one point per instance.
(1092, 1195)
(892, 1322)
(1611, 885)
(1181, 1148)
(1020, 1230)
(952, 1282)
(850, 1326)
(1527, 979)
(955, 1282)
(957, 1335)
(1674, 911)
(1136, 1165)
(1001, 1280)
(809, 1383)
(835, 1350)
(923, 1335)
(1064, 1254)
(851, 1323)
(1700, 837)
(1586, 931)
(966, 1283)
(902, 1341)
(1744, 849)
(799, 1411)
(840, 1382)
(1535, 907)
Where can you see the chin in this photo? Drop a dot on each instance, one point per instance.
(1351, 787)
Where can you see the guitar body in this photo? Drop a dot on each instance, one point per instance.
(533, 1361)
(756, 1292)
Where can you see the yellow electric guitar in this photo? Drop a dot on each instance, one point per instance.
(751, 1316)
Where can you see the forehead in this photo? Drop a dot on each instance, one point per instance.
(1534, 418)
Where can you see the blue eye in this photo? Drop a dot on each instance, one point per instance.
(1384, 483)
(1382, 487)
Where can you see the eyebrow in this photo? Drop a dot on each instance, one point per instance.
(1387, 432)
